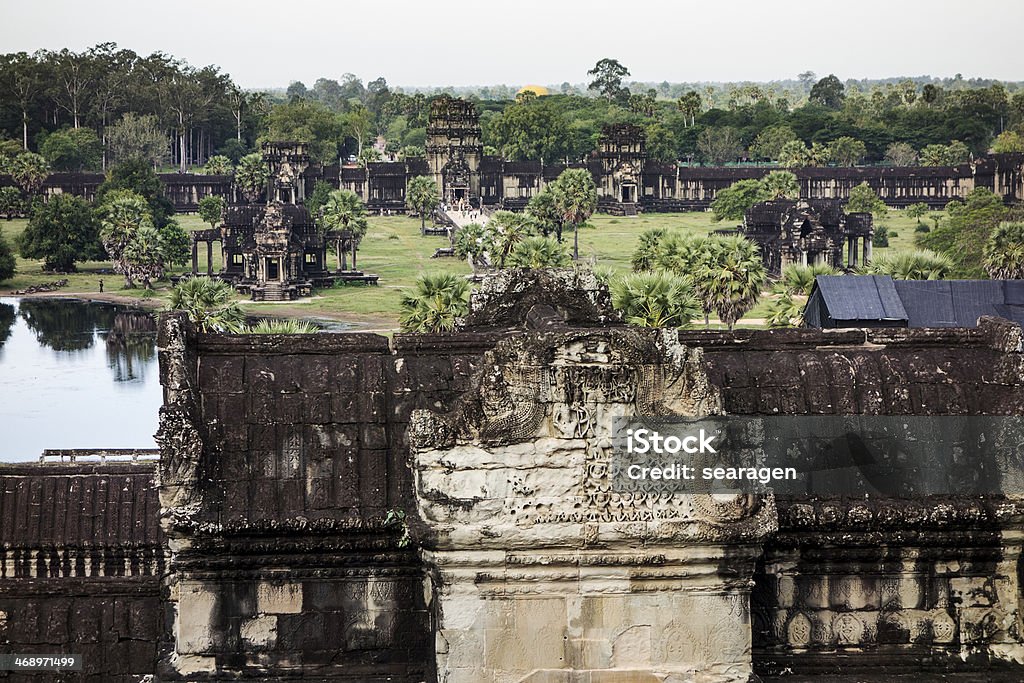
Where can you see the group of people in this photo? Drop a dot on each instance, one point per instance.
(464, 209)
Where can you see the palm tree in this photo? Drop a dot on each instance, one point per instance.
(471, 244)
(575, 200)
(344, 210)
(781, 184)
(655, 299)
(251, 176)
(542, 214)
(123, 212)
(539, 252)
(786, 310)
(282, 326)
(209, 304)
(799, 280)
(438, 300)
(1004, 252)
(647, 248)
(505, 230)
(144, 257)
(912, 265)
(423, 197)
(29, 170)
(689, 256)
(731, 282)
(218, 164)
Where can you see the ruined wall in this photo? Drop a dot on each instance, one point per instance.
(883, 586)
(276, 481)
(286, 463)
(81, 562)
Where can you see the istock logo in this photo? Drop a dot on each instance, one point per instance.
(647, 441)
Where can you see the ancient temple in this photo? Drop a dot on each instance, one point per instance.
(454, 149)
(274, 250)
(353, 507)
(808, 232)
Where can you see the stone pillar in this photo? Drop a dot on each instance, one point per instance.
(209, 258)
(849, 252)
(538, 571)
(195, 257)
(867, 249)
(803, 257)
(854, 250)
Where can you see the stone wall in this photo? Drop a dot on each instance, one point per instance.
(81, 562)
(344, 507)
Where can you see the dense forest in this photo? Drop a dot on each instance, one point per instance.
(86, 110)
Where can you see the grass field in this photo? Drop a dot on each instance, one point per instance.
(394, 249)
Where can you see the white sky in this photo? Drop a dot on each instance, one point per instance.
(458, 42)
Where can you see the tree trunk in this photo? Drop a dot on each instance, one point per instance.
(24, 130)
(575, 242)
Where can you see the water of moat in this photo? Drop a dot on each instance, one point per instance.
(77, 374)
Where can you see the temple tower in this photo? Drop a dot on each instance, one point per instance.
(454, 149)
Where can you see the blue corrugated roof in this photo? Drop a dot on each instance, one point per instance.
(959, 303)
(860, 297)
(857, 299)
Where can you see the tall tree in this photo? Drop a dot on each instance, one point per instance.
(719, 145)
(900, 154)
(423, 197)
(23, 86)
(73, 150)
(847, 151)
(575, 199)
(608, 75)
(828, 92)
(74, 74)
(138, 137)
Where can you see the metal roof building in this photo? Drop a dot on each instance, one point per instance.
(880, 301)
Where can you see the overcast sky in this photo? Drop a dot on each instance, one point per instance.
(458, 42)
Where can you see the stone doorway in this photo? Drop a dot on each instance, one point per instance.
(273, 269)
(629, 194)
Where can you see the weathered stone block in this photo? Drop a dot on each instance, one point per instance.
(278, 598)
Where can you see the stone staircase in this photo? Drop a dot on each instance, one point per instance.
(629, 209)
(273, 291)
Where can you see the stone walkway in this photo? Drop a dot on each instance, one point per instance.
(463, 218)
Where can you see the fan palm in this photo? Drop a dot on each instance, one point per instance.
(655, 299)
(209, 304)
(731, 282)
(504, 231)
(800, 279)
(438, 300)
(912, 265)
(1004, 252)
(575, 200)
(282, 326)
(538, 252)
(647, 248)
(786, 310)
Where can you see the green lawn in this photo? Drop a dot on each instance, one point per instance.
(394, 249)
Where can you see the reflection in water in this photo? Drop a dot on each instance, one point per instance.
(7, 317)
(130, 345)
(67, 326)
(64, 325)
(76, 374)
